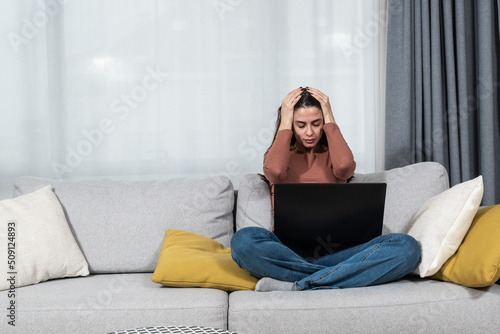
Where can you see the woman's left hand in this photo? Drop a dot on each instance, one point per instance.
(325, 104)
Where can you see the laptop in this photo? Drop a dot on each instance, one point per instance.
(318, 219)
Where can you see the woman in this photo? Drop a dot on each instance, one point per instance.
(309, 147)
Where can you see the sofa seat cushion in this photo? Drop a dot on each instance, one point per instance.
(410, 305)
(106, 303)
(120, 224)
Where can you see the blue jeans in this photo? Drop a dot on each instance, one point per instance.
(383, 259)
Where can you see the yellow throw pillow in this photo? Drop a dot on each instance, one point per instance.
(189, 260)
(477, 261)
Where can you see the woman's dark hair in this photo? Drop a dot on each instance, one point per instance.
(305, 101)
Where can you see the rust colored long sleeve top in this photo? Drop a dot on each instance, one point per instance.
(284, 164)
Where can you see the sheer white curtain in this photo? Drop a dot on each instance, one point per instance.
(100, 88)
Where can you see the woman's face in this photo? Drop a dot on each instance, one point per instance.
(308, 127)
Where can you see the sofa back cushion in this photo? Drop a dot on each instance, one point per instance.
(407, 189)
(120, 224)
(254, 206)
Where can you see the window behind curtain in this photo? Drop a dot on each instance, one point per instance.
(107, 88)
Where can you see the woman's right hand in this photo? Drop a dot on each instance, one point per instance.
(287, 106)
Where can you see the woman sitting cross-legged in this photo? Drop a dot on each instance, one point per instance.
(309, 147)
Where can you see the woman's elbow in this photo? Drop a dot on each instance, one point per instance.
(274, 174)
(344, 170)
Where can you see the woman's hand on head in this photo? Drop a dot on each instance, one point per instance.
(287, 106)
(325, 104)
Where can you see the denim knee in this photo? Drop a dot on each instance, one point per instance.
(410, 250)
(244, 240)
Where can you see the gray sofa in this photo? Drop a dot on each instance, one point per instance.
(120, 225)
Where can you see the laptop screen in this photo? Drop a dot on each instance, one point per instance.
(317, 219)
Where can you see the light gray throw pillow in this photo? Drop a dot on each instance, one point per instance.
(120, 225)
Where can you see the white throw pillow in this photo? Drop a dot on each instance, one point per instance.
(36, 241)
(442, 222)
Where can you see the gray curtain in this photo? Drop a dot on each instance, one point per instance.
(443, 88)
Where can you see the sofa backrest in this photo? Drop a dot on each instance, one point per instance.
(120, 225)
(407, 189)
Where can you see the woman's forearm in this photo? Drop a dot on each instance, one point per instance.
(343, 164)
